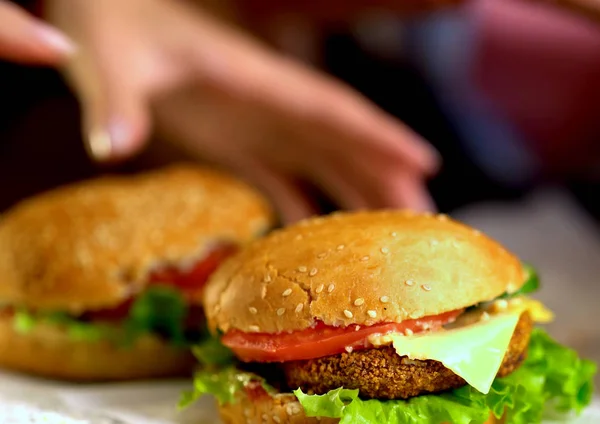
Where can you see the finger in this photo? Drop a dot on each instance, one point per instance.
(344, 187)
(405, 191)
(116, 120)
(348, 119)
(27, 40)
(289, 200)
(355, 120)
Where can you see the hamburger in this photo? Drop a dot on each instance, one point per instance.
(383, 317)
(98, 280)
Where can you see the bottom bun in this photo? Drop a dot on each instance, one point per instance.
(282, 408)
(48, 351)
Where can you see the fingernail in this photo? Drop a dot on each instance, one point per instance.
(110, 142)
(120, 137)
(98, 145)
(55, 39)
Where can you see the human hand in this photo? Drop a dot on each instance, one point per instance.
(234, 102)
(25, 39)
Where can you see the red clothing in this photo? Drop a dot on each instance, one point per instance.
(541, 67)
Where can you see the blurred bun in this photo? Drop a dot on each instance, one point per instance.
(358, 268)
(92, 245)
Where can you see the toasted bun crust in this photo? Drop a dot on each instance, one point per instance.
(358, 268)
(279, 409)
(48, 351)
(92, 244)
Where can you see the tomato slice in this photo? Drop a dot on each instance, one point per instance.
(194, 279)
(321, 340)
(189, 282)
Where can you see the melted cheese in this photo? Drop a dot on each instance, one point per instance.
(474, 346)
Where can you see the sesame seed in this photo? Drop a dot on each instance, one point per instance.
(299, 307)
(267, 278)
(349, 349)
(330, 288)
(313, 272)
(393, 234)
(253, 310)
(409, 283)
(247, 412)
(359, 301)
(321, 255)
(302, 269)
(442, 217)
(276, 419)
(385, 250)
(433, 242)
(372, 314)
(384, 299)
(280, 311)
(426, 287)
(265, 417)
(365, 258)
(254, 328)
(485, 316)
(320, 288)
(476, 232)
(408, 332)
(340, 247)
(286, 292)
(292, 409)
(299, 237)
(348, 313)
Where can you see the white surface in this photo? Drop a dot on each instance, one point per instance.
(27, 400)
(547, 230)
(30, 401)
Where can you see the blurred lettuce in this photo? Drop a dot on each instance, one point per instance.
(159, 310)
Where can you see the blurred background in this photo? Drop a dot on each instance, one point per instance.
(507, 91)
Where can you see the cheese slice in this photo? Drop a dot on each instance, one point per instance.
(474, 346)
(473, 352)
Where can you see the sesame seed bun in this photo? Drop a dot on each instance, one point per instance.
(358, 268)
(282, 408)
(49, 351)
(92, 245)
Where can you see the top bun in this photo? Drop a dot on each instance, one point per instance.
(358, 268)
(92, 244)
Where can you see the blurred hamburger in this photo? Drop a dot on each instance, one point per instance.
(387, 317)
(98, 279)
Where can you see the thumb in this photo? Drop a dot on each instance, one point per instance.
(116, 117)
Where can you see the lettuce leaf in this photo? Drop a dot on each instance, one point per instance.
(532, 283)
(553, 379)
(222, 383)
(159, 309)
(24, 322)
(553, 376)
(212, 353)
